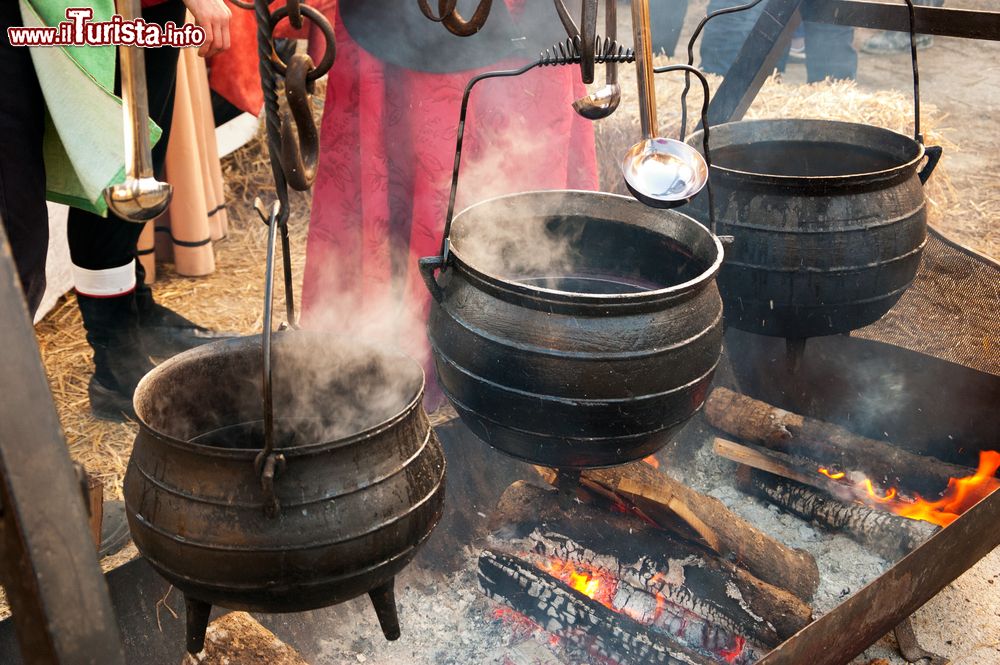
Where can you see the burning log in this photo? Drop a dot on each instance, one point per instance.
(662, 498)
(572, 616)
(889, 535)
(680, 580)
(826, 443)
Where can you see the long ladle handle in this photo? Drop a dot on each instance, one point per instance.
(139, 198)
(643, 46)
(611, 32)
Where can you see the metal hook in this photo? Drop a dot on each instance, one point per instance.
(299, 156)
(457, 25)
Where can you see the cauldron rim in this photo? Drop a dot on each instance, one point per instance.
(646, 218)
(842, 134)
(146, 385)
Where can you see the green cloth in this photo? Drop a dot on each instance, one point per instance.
(84, 145)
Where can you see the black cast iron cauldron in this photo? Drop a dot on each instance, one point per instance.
(575, 329)
(829, 218)
(360, 487)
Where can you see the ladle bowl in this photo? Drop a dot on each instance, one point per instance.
(599, 104)
(139, 199)
(664, 173)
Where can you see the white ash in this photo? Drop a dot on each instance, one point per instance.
(844, 565)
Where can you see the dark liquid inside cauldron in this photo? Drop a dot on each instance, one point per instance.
(287, 434)
(803, 158)
(589, 285)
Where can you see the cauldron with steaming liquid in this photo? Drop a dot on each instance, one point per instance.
(575, 329)
(360, 488)
(829, 220)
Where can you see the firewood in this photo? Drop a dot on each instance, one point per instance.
(787, 466)
(827, 444)
(659, 496)
(529, 519)
(884, 533)
(570, 615)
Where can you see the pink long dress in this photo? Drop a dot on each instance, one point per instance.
(387, 147)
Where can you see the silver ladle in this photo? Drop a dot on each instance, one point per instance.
(660, 172)
(141, 197)
(604, 101)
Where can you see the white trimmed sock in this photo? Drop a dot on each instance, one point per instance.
(105, 283)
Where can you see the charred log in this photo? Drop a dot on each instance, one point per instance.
(827, 444)
(664, 499)
(529, 522)
(570, 615)
(885, 533)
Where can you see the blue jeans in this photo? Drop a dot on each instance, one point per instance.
(829, 48)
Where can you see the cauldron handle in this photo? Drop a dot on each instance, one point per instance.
(428, 266)
(559, 54)
(268, 464)
(688, 70)
(933, 153)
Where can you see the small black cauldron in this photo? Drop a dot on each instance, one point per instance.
(358, 486)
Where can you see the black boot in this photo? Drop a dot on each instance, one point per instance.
(164, 332)
(120, 359)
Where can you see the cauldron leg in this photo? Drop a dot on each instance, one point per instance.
(197, 612)
(568, 484)
(384, 602)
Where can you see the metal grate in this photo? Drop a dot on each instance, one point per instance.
(952, 310)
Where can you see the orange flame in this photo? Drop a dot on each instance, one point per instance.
(960, 495)
(652, 461)
(595, 584)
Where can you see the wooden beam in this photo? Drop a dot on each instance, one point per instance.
(947, 22)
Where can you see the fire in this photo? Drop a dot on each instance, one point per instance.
(594, 583)
(730, 655)
(652, 461)
(830, 474)
(960, 495)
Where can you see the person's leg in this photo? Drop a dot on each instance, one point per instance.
(22, 171)
(103, 255)
(723, 37)
(830, 52)
(667, 19)
(887, 42)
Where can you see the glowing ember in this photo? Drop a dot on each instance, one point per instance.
(594, 583)
(652, 461)
(731, 655)
(960, 495)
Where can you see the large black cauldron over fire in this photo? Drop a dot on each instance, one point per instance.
(575, 329)
(829, 219)
(358, 487)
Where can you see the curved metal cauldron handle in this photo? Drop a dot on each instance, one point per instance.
(688, 70)
(933, 152)
(567, 53)
(268, 463)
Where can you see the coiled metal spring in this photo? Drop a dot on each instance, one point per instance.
(569, 53)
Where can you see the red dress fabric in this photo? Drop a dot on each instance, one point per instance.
(381, 193)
